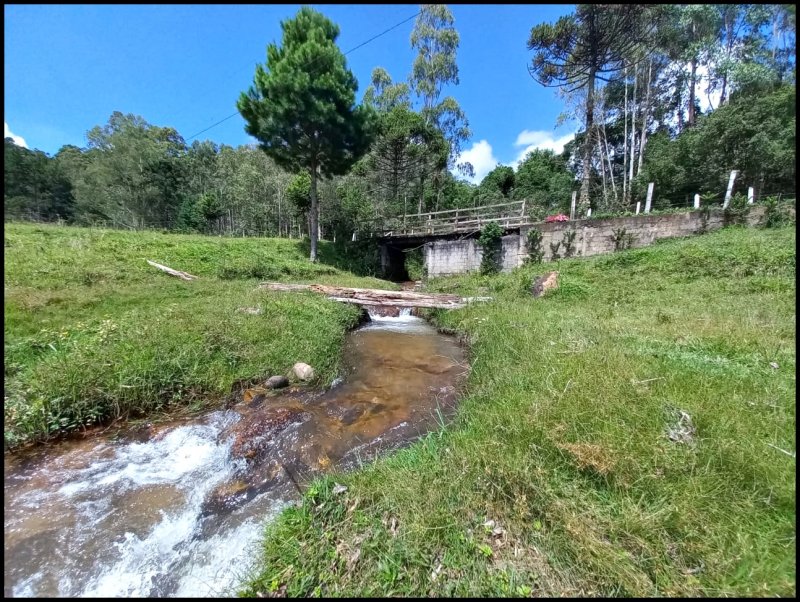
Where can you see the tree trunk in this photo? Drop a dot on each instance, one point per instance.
(633, 126)
(313, 217)
(625, 195)
(693, 72)
(610, 167)
(602, 171)
(729, 48)
(587, 146)
(643, 138)
(377, 297)
(421, 193)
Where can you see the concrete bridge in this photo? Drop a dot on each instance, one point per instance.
(421, 230)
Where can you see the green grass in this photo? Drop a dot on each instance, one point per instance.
(562, 442)
(93, 333)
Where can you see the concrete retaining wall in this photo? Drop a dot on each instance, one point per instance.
(593, 237)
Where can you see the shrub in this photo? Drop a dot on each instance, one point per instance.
(533, 243)
(735, 214)
(491, 242)
(568, 242)
(622, 239)
(776, 214)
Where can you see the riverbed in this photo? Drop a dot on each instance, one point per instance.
(178, 509)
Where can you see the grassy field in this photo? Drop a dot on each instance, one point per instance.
(93, 333)
(559, 475)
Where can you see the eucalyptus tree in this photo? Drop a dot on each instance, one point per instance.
(301, 106)
(436, 39)
(383, 94)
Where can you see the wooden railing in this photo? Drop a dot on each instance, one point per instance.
(469, 219)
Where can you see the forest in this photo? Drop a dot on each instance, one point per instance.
(633, 76)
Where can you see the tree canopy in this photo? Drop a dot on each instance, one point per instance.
(301, 106)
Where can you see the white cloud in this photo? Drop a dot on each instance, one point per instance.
(18, 140)
(532, 140)
(482, 159)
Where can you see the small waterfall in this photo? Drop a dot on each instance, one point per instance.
(388, 312)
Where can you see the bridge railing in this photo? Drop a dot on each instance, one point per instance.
(465, 219)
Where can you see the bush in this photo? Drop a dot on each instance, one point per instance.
(568, 242)
(622, 239)
(735, 214)
(491, 242)
(776, 214)
(533, 243)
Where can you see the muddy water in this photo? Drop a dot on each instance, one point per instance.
(177, 510)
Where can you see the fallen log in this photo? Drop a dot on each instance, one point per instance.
(345, 291)
(400, 303)
(378, 297)
(171, 272)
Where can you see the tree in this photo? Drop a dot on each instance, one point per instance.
(384, 95)
(544, 181)
(497, 184)
(35, 186)
(133, 175)
(753, 134)
(436, 39)
(301, 106)
(579, 49)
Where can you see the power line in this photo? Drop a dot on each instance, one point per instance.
(373, 38)
(212, 126)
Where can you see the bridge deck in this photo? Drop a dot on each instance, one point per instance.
(471, 219)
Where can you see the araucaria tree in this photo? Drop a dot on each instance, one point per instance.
(580, 49)
(301, 106)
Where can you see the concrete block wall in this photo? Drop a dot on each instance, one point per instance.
(511, 252)
(594, 237)
(447, 257)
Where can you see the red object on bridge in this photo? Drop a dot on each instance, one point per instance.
(556, 218)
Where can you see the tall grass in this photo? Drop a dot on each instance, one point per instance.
(93, 333)
(559, 475)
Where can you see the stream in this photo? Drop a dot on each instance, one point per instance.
(178, 509)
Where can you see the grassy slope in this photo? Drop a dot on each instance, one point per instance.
(92, 332)
(562, 442)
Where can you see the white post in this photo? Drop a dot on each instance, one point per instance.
(649, 198)
(354, 236)
(751, 195)
(638, 206)
(697, 201)
(572, 207)
(589, 212)
(729, 191)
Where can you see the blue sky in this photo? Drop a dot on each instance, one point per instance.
(67, 68)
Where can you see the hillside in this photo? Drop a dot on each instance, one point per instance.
(93, 333)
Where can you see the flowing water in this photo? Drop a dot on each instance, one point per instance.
(177, 509)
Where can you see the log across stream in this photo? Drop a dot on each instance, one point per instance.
(178, 509)
(369, 297)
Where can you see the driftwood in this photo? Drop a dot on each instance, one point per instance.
(377, 297)
(171, 272)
